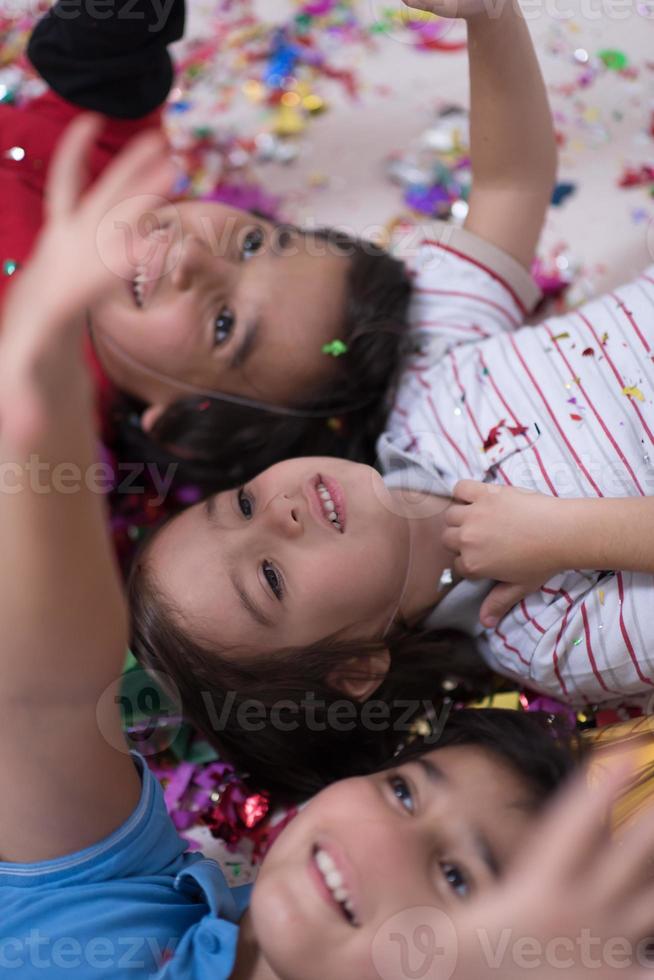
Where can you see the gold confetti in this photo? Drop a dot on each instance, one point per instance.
(633, 392)
(601, 597)
(561, 336)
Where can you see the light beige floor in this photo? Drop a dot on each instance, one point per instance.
(606, 127)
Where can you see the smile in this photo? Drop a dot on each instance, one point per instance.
(138, 284)
(331, 501)
(334, 883)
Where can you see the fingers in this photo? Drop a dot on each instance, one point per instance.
(575, 831)
(499, 601)
(456, 514)
(133, 171)
(633, 864)
(68, 173)
(467, 491)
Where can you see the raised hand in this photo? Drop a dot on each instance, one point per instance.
(577, 901)
(81, 249)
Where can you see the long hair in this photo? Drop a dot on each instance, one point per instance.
(216, 444)
(276, 717)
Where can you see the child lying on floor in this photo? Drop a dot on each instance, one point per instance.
(317, 576)
(205, 298)
(95, 881)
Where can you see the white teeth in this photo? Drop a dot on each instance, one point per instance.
(334, 880)
(137, 284)
(328, 505)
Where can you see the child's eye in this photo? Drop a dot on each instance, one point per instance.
(273, 579)
(245, 504)
(402, 791)
(252, 243)
(223, 327)
(456, 879)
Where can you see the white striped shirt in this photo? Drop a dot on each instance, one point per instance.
(565, 408)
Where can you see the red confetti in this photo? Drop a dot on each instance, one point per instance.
(588, 352)
(254, 809)
(518, 430)
(576, 418)
(493, 436)
(637, 176)
(203, 406)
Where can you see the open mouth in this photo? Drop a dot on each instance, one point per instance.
(334, 884)
(331, 501)
(149, 271)
(138, 284)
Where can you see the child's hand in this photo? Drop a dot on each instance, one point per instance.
(503, 533)
(450, 8)
(576, 900)
(79, 252)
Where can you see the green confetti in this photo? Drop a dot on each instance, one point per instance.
(576, 642)
(613, 59)
(335, 348)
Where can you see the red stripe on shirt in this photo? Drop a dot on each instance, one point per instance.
(622, 305)
(457, 378)
(510, 648)
(480, 265)
(626, 637)
(451, 441)
(501, 397)
(554, 419)
(479, 299)
(597, 415)
(468, 328)
(530, 619)
(617, 374)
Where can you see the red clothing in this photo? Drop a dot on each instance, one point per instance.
(36, 128)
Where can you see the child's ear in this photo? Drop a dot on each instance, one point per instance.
(151, 416)
(370, 671)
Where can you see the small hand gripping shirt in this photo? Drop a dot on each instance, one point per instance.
(135, 905)
(565, 408)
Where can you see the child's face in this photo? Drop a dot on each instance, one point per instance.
(263, 568)
(229, 304)
(430, 834)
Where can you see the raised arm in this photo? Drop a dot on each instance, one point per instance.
(512, 141)
(62, 610)
(513, 147)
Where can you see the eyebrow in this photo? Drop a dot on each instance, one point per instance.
(246, 344)
(435, 775)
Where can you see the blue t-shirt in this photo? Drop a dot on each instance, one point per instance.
(135, 905)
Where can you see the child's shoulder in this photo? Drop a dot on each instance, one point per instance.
(444, 258)
(149, 900)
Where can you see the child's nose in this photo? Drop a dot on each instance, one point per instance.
(284, 516)
(196, 263)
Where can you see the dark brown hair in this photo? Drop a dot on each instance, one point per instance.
(225, 444)
(314, 745)
(541, 748)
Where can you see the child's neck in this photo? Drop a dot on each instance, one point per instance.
(250, 963)
(428, 557)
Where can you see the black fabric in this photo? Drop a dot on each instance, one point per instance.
(109, 56)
